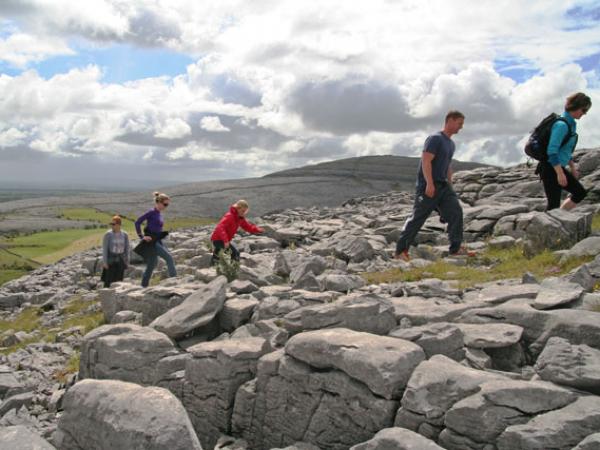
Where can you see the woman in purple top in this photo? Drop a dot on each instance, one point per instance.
(153, 234)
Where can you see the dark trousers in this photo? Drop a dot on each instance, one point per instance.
(218, 247)
(446, 201)
(115, 272)
(553, 190)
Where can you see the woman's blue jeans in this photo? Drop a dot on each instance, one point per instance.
(153, 260)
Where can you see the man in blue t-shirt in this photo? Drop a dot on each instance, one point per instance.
(434, 189)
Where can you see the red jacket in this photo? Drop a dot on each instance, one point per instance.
(229, 224)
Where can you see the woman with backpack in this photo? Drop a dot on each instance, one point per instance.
(563, 138)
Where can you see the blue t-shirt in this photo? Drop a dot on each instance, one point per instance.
(443, 148)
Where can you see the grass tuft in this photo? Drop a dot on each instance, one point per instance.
(491, 265)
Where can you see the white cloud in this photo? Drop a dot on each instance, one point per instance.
(213, 123)
(173, 128)
(20, 49)
(12, 137)
(280, 83)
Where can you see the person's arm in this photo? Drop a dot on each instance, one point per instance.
(557, 134)
(426, 159)
(250, 227)
(105, 245)
(138, 223)
(126, 248)
(450, 173)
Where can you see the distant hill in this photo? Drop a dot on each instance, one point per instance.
(325, 184)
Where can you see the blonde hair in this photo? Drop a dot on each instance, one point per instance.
(116, 219)
(159, 197)
(241, 204)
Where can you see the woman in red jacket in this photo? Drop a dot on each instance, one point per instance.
(228, 226)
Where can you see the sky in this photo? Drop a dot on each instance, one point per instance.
(129, 93)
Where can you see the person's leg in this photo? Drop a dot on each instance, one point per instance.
(552, 189)
(164, 254)
(120, 271)
(422, 208)
(218, 247)
(451, 210)
(235, 253)
(577, 191)
(151, 261)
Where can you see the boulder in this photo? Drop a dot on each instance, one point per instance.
(125, 352)
(557, 292)
(19, 437)
(341, 282)
(236, 312)
(397, 439)
(368, 313)
(570, 365)
(435, 339)
(196, 311)
(483, 416)
(213, 375)
(109, 414)
(561, 429)
(592, 442)
(382, 363)
(495, 335)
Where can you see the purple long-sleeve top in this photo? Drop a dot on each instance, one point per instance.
(154, 222)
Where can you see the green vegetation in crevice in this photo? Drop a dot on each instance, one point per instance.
(490, 265)
(77, 312)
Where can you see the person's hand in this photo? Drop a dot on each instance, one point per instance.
(105, 266)
(562, 179)
(226, 244)
(430, 190)
(147, 238)
(260, 230)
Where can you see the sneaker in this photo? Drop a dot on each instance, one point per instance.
(462, 251)
(403, 255)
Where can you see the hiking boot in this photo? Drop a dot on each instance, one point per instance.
(403, 255)
(462, 251)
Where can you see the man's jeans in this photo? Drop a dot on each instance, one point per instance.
(153, 260)
(446, 201)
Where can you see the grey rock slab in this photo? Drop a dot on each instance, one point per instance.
(421, 310)
(197, 310)
(368, 313)
(314, 264)
(592, 442)
(236, 312)
(435, 339)
(19, 437)
(384, 364)
(397, 439)
(109, 414)
(500, 293)
(124, 352)
(212, 378)
(493, 335)
(502, 242)
(570, 365)
(589, 246)
(561, 429)
(438, 383)
(242, 286)
(483, 416)
(556, 292)
(16, 402)
(341, 282)
(308, 281)
(290, 401)
(8, 383)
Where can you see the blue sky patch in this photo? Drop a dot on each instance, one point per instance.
(514, 69)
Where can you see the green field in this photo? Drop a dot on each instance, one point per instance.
(22, 253)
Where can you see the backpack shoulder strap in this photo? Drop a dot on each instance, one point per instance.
(569, 134)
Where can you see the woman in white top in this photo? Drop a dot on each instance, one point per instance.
(115, 253)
